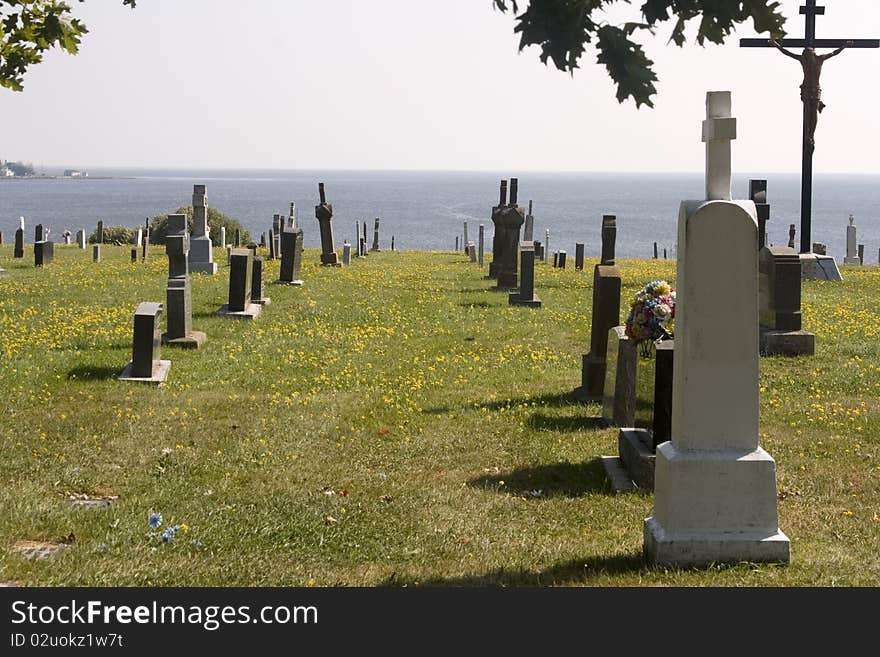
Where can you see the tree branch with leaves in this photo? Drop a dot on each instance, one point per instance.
(564, 28)
(28, 28)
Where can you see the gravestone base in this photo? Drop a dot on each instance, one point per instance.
(730, 495)
(816, 267)
(617, 475)
(160, 373)
(852, 261)
(592, 388)
(787, 343)
(265, 301)
(203, 267)
(637, 456)
(280, 282)
(514, 299)
(330, 259)
(192, 340)
(251, 312)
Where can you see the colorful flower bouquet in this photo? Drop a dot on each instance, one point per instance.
(652, 313)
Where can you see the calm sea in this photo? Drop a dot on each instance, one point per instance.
(426, 210)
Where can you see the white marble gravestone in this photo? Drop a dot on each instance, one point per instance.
(715, 487)
(852, 252)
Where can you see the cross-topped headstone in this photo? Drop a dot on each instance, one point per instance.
(719, 129)
(810, 95)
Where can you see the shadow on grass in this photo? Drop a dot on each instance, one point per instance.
(544, 422)
(575, 571)
(475, 304)
(554, 480)
(558, 400)
(93, 373)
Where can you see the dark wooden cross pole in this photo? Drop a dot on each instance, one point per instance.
(810, 95)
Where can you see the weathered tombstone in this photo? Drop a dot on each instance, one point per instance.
(178, 293)
(556, 260)
(758, 195)
(263, 240)
(236, 242)
(861, 254)
(714, 487)
(39, 233)
(139, 237)
(324, 214)
(96, 253)
(619, 388)
(362, 248)
(240, 285)
(539, 251)
(852, 257)
(1, 238)
(779, 304)
(529, 226)
(146, 365)
(472, 251)
(100, 235)
(392, 242)
(655, 250)
(257, 281)
(605, 313)
(201, 257)
(346, 253)
(465, 239)
(271, 244)
(791, 234)
(481, 245)
(497, 211)
(820, 248)
(525, 296)
(65, 235)
(290, 272)
(664, 253)
(222, 237)
(146, 244)
(546, 247)
(18, 249)
(375, 246)
(456, 243)
(562, 259)
(579, 255)
(228, 254)
(44, 253)
(510, 220)
(134, 254)
(365, 238)
(275, 236)
(291, 219)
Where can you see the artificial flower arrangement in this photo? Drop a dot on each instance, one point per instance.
(652, 313)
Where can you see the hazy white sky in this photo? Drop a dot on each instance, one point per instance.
(415, 84)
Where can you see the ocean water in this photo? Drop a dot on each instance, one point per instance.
(426, 210)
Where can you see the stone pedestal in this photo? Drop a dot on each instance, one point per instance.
(525, 296)
(324, 215)
(779, 304)
(240, 285)
(201, 258)
(714, 487)
(146, 365)
(290, 272)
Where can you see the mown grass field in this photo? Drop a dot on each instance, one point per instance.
(390, 423)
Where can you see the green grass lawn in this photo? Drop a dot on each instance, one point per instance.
(389, 423)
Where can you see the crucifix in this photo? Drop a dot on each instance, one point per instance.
(810, 95)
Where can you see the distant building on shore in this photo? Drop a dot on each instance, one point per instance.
(75, 173)
(6, 172)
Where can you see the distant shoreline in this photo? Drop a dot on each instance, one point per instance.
(77, 178)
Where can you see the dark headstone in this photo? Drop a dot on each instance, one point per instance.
(18, 249)
(539, 251)
(263, 239)
(619, 390)
(653, 409)
(579, 255)
(100, 236)
(497, 213)
(507, 228)
(240, 267)
(779, 303)
(562, 259)
(324, 215)
(819, 248)
(39, 233)
(178, 293)
(609, 238)
(375, 246)
(556, 260)
(291, 256)
(861, 254)
(134, 254)
(145, 244)
(44, 253)
(257, 281)
(392, 242)
(271, 244)
(237, 240)
(96, 253)
(791, 234)
(146, 347)
(525, 296)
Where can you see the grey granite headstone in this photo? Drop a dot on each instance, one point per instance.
(178, 293)
(44, 253)
(472, 251)
(758, 194)
(291, 257)
(497, 211)
(222, 237)
(779, 303)
(100, 232)
(562, 259)
(605, 315)
(257, 282)
(81, 238)
(375, 246)
(508, 223)
(201, 257)
(236, 243)
(820, 248)
(619, 394)
(96, 253)
(529, 226)
(481, 249)
(271, 244)
(346, 254)
(525, 296)
(146, 365)
(465, 239)
(39, 233)
(324, 215)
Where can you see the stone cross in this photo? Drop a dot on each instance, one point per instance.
(758, 194)
(178, 293)
(496, 237)
(324, 215)
(719, 129)
(201, 256)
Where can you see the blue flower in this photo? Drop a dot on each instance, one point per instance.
(155, 520)
(167, 535)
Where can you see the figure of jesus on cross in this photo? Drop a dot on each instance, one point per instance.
(811, 95)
